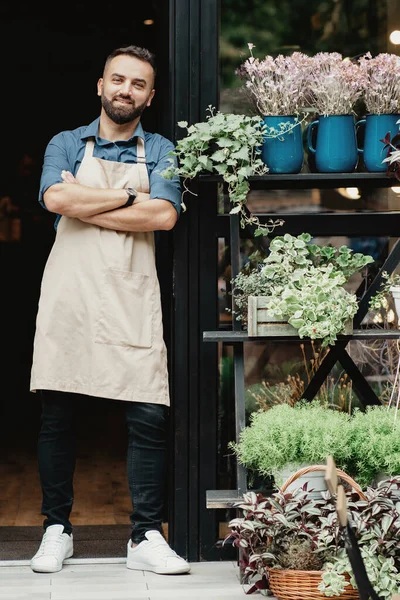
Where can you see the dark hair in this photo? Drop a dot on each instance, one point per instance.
(135, 52)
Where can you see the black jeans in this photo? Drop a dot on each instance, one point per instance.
(146, 460)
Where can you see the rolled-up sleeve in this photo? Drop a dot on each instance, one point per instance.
(55, 161)
(166, 189)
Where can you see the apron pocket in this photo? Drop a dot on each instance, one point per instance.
(126, 309)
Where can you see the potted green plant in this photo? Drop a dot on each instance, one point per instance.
(302, 284)
(392, 146)
(291, 544)
(390, 286)
(228, 145)
(280, 440)
(374, 444)
(277, 88)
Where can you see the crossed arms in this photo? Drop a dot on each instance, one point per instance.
(102, 207)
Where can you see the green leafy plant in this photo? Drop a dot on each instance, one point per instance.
(291, 530)
(381, 572)
(228, 145)
(304, 433)
(365, 443)
(374, 443)
(393, 154)
(379, 300)
(304, 284)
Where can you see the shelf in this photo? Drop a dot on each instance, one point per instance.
(311, 180)
(242, 336)
(222, 498)
(227, 498)
(356, 223)
(359, 223)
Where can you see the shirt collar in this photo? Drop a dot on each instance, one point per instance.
(92, 129)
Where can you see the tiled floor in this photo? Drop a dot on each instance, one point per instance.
(113, 581)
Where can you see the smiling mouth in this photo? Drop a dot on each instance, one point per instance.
(122, 101)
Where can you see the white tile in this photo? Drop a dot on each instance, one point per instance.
(210, 594)
(93, 587)
(110, 569)
(7, 591)
(34, 596)
(111, 581)
(12, 578)
(105, 594)
(229, 596)
(238, 595)
(16, 570)
(87, 579)
(200, 583)
(19, 592)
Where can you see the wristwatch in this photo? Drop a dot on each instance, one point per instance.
(132, 195)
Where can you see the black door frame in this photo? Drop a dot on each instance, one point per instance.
(194, 85)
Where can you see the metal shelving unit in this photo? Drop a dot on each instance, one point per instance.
(361, 223)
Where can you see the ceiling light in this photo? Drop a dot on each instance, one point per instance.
(394, 37)
(148, 22)
(352, 193)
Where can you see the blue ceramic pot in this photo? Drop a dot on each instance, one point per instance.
(376, 128)
(336, 146)
(283, 154)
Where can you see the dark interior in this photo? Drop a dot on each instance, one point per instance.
(51, 58)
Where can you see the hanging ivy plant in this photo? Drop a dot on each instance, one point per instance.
(228, 145)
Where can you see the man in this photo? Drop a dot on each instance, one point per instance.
(99, 325)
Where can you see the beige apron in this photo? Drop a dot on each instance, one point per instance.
(99, 324)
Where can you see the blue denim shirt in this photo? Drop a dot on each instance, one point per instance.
(65, 151)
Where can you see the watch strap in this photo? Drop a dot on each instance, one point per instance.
(132, 195)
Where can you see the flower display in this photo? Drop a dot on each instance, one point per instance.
(335, 84)
(382, 83)
(276, 85)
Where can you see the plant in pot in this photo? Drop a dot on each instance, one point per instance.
(228, 145)
(390, 286)
(392, 159)
(291, 545)
(277, 90)
(335, 86)
(381, 97)
(303, 284)
(279, 441)
(374, 444)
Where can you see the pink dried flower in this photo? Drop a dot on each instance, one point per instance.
(382, 83)
(276, 86)
(335, 84)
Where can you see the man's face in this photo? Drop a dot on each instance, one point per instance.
(126, 88)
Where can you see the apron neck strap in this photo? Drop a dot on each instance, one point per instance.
(140, 151)
(141, 163)
(89, 148)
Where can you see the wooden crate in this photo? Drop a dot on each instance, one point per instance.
(260, 323)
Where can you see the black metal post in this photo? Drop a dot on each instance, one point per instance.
(194, 80)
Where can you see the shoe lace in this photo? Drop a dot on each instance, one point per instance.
(50, 544)
(162, 548)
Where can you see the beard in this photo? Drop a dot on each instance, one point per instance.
(123, 113)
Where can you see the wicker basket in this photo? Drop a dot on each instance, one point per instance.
(310, 468)
(290, 584)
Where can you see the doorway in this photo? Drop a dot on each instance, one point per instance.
(50, 69)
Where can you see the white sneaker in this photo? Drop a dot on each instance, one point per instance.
(154, 554)
(55, 547)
